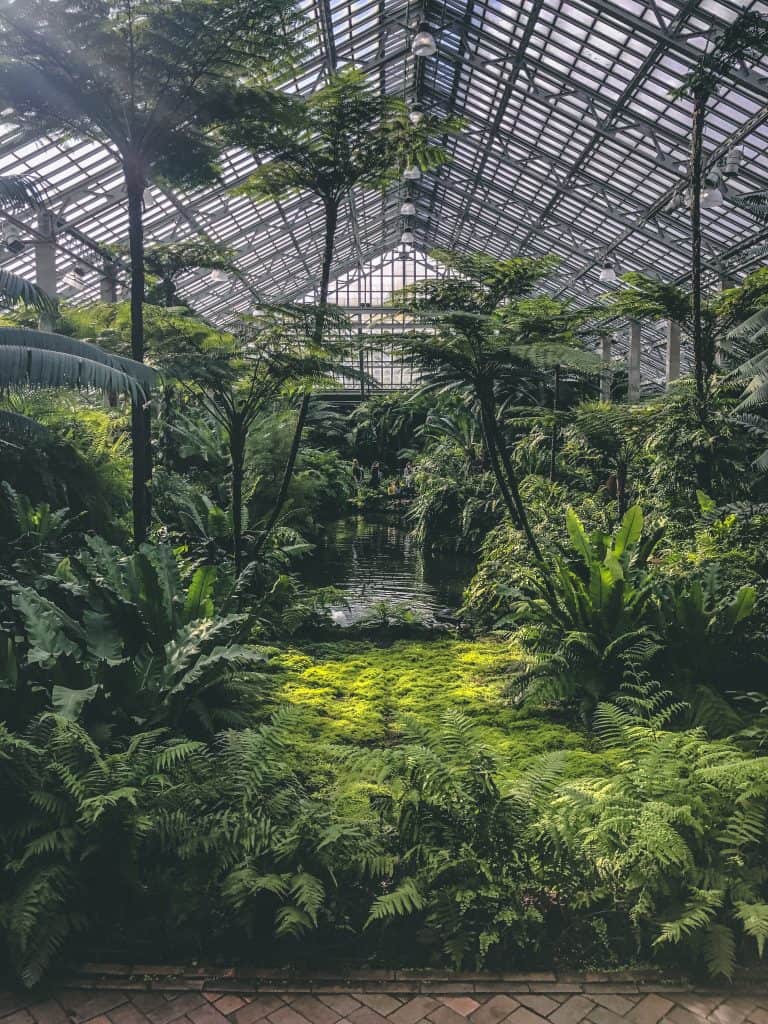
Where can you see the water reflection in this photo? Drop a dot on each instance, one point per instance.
(372, 562)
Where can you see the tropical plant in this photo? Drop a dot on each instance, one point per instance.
(74, 825)
(462, 878)
(345, 135)
(39, 359)
(471, 322)
(598, 612)
(242, 383)
(147, 78)
(609, 438)
(674, 838)
(119, 642)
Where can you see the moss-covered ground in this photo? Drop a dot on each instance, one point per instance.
(364, 694)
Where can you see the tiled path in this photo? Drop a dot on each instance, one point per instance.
(226, 1001)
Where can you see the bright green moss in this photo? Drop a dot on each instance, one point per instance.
(362, 694)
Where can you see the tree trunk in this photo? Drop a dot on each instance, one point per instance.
(697, 134)
(282, 494)
(331, 220)
(555, 405)
(701, 357)
(141, 425)
(237, 458)
(507, 480)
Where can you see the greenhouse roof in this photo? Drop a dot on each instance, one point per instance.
(571, 145)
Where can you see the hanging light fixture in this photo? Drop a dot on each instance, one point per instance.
(424, 44)
(711, 196)
(608, 273)
(407, 237)
(411, 173)
(416, 114)
(408, 209)
(733, 161)
(219, 276)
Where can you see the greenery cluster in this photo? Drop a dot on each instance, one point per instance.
(194, 761)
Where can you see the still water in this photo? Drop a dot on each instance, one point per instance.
(372, 562)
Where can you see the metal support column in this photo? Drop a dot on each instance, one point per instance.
(108, 282)
(606, 345)
(673, 352)
(635, 341)
(45, 263)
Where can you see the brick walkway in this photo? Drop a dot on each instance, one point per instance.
(428, 1000)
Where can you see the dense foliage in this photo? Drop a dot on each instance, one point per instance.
(194, 760)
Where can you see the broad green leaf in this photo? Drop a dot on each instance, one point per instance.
(102, 639)
(613, 565)
(199, 602)
(706, 504)
(46, 627)
(629, 532)
(601, 584)
(70, 703)
(578, 535)
(741, 607)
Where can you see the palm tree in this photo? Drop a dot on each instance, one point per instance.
(746, 38)
(143, 76)
(237, 384)
(469, 347)
(344, 136)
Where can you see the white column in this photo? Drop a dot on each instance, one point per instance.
(45, 263)
(606, 344)
(634, 361)
(108, 282)
(673, 351)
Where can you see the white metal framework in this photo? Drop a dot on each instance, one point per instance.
(572, 146)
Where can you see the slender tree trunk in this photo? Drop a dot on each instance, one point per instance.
(237, 458)
(507, 480)
(697, 135)
(331, 220)
(555, 406)
(701, 357)
(141, 425)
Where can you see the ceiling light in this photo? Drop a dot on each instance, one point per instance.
(608, 273)
(416, 114)
(408, 209)
(12, 239)
(733, 160)
(407, 238)
(711, 196)
(218, 276)
(411, 173)
(424, 44)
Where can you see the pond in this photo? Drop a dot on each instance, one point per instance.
(371, 562)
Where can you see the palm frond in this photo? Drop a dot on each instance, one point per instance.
(15, 289)
(40, 368)
(20, 426)
(71, 362)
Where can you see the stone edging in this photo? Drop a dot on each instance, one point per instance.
(252, 980)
